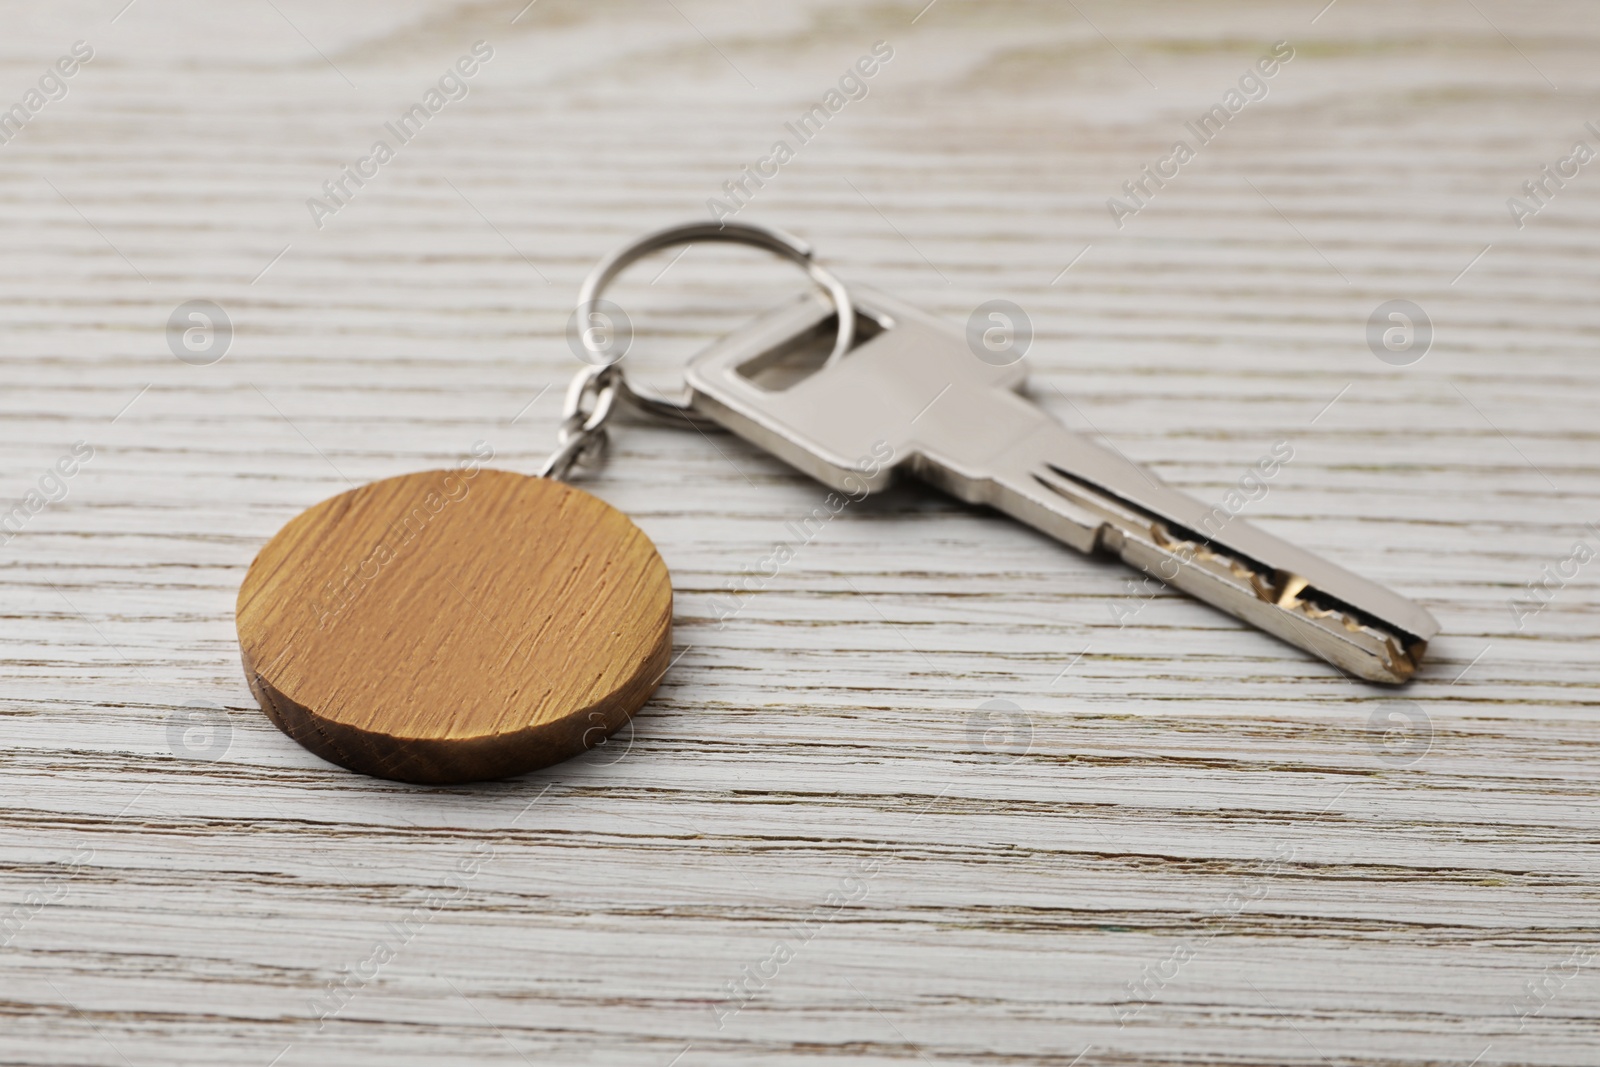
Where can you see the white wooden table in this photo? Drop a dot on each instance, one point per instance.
(1188, 843)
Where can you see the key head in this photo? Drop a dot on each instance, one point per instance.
(455, 626)
(913, 384)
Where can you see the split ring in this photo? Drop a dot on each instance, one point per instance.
(766, 237)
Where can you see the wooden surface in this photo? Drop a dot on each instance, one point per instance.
(1172, 841)
(455, 626)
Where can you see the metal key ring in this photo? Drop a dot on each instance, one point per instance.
(769, 238)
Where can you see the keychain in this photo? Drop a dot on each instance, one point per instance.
(469, 624)
(455, 626)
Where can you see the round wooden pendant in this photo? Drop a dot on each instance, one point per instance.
(455, 626)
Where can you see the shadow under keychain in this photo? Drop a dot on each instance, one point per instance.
(523, 620)
(464, 625)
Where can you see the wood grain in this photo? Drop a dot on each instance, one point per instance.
(957, 885)
(455, 626)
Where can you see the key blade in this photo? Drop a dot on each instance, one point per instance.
(1355, 624)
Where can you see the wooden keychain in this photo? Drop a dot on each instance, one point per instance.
(470, 624)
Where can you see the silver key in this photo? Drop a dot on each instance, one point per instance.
(914, 391)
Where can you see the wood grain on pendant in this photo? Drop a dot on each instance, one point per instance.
(455, 626)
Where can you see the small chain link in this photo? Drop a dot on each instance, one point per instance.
(581, 439)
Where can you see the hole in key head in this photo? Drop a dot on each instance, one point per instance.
(803, 355)
(676, 302)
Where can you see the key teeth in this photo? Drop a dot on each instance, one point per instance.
(1284, 589)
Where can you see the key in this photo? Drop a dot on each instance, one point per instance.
(912, 398)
